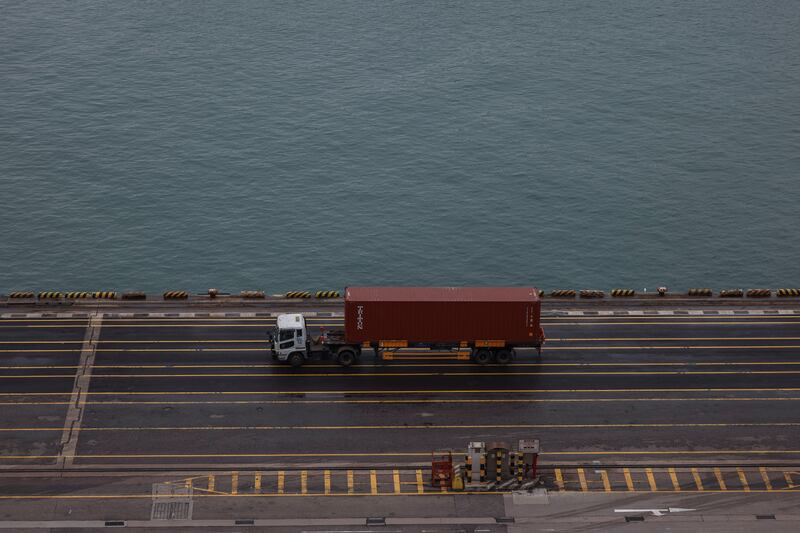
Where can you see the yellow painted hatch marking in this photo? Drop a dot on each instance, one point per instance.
(582, 479)
(396, 480)
(327, 481)
(234, 483)
(765, 478)
(373, 482)
(651, 480)
(720, 480)
(420, 488)
(304, 481)
(743, 479)
(257, 482)
(628, 480)
(697, 480)
(281, 481)
(606, 482)
(674, 477)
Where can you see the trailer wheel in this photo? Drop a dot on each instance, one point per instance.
(482, 357)
(296, 359)
(346, 357)
(503, 357)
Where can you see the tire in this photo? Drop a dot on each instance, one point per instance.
(346, 357)
(296, 359)
(503, 357)
(483, 357)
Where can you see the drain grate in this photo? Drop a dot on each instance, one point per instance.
(376, 521)
(634, 519)
(765, 517)
(171, 510)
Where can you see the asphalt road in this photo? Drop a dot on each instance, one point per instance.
(200, 391)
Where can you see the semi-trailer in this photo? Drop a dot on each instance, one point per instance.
(483, 324)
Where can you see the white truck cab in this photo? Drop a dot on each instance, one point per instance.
(289, 339)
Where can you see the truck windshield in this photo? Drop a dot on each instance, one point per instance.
(286, 335)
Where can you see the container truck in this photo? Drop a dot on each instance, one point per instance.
(483, 324)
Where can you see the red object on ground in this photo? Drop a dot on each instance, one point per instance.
(442, 469)
(443, 314)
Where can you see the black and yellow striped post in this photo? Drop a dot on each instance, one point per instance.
(788, 293)
(759, 293)
(328, 294)
(699, 292)
(104, 295)
(252, 294)
(563, 293)
(21, 294)
(622, 293)
(498, 459)
(731, 293)
(298, 294)
(483, 467)
(50, 295)
(586, 293)
(520, 466)
(74, 295)
(176, 295)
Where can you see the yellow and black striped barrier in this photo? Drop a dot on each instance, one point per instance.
(252, 294)
(104, 295)
(731, 293)
(699, 292)
(328, 294)
(297, 294)
(622, 293)
(563, 293)
(50, 295)
(176, 295)
(134, 295)
(790, 293)
(759, 293)
(74, 295)
(21, 294)
(586, 293)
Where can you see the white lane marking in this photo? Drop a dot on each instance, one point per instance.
(72, 422)
(656, 512)
(669, 313)
(725, 312)
(695, 312)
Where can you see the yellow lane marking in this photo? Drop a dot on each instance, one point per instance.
(674, 477)
(421, 426)
(606, 482)
(373, 482)
(628, 480)
(720, 480)
(281, 481)
(413, 374)
(417, 401)
(765, 478)
(350, 488)
(394, 391)
(304, 481)
(420, 488)
(396, 480)
(414, 365)
(651, 480)
(327, 481)
(671, 339)
(211, 483)
(400, 454)
(708, 347)
(743, 479)
(234, 483)
(697, 480)
(257, 482)
(559, 478)
(582, 480)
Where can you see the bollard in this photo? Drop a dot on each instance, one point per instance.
(592, 294)
(759, 293)
(75, 295)
(252, 294)
(21, 294)
(622, 293)
(212, 293)
(788, 293)
(568, 293)
(50, 295)
(134, 295)
(176, 295)
(328, 294)
(104, 295)
(731, 293)
(699, 292)
(297, 294)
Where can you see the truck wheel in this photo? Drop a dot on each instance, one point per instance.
(346, 357)
(296, 359)
(482, 357)
(503, 357)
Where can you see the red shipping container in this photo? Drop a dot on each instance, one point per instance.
(443, 315)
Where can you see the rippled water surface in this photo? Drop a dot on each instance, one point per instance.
(314, 144)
